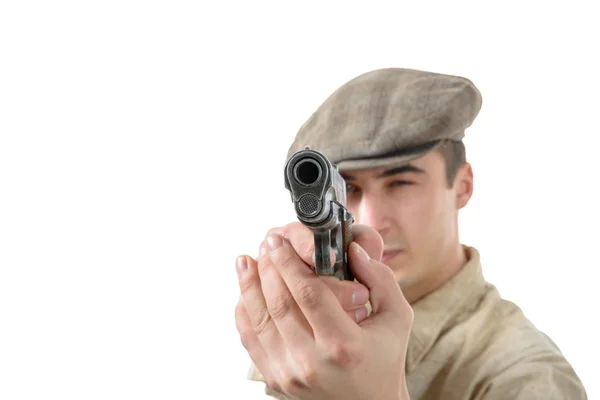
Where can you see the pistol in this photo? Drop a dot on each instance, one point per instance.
(318, 193)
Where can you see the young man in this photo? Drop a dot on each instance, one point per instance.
(435, 328)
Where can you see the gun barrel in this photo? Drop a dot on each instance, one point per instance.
(308, 171)
(318, 192)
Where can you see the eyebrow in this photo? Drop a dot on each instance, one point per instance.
(392, 171)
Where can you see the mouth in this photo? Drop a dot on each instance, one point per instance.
(389, 254)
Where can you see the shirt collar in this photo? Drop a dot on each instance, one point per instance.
(441, 309)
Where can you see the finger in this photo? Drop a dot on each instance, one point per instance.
(302, 240)
(317, 302)
(369, 239)
(251, 342)
(256, 306)
(385, 294)
(291, 324)
(359, 315)
(350, 294)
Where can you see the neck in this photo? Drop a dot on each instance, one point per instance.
(449, 265)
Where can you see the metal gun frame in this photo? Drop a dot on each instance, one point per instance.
(318, 192)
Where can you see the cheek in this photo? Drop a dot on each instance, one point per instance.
(438, 220)
(352, 205)
(420, 214)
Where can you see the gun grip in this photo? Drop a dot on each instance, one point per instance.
(339, 239)
(323, 254)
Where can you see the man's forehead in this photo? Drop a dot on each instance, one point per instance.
(367, 171)
(382, 172)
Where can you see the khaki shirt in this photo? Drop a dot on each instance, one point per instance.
(469, 343)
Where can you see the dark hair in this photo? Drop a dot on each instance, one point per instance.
(454, 155)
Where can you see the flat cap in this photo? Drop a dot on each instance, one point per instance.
(389, 116)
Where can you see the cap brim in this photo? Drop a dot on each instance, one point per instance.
(388, 161)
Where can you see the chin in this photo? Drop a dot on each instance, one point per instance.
(402, 270)
(405, 283)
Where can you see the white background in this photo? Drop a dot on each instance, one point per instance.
(142, 147)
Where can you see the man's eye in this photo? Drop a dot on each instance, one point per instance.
(349, 188)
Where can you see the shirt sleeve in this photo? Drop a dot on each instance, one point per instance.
(535, 380)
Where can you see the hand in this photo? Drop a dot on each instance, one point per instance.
(300, 335)
(351, 295)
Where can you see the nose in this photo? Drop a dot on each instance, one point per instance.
(372, 211)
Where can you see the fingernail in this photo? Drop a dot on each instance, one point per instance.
(360, 297)
(361, 314)
(274, 242)
(360, 252)
(241, 265)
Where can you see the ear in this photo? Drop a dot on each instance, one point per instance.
(463, 184)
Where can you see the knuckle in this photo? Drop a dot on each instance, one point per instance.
(298, 232)
(262, 321)
(273, 384)
(285, 231)
(304, 249)
(246, 284)
(342, 354)
(240, 310)
(280, 305)
(309, 372)
(292, 226)
(387, 272)
(288, 260)
(387, 278)
(302, 243)
(247, 338)
(273, 230)
(308, 295)
(290, 383)
(264, 263)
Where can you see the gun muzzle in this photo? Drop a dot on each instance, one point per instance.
(308, 172)
(318, 192)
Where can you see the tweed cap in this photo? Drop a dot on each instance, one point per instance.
(388, 117)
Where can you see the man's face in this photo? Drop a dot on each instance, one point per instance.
(416, 213)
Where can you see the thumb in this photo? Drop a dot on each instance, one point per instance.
(369, 239)
(385, 294)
